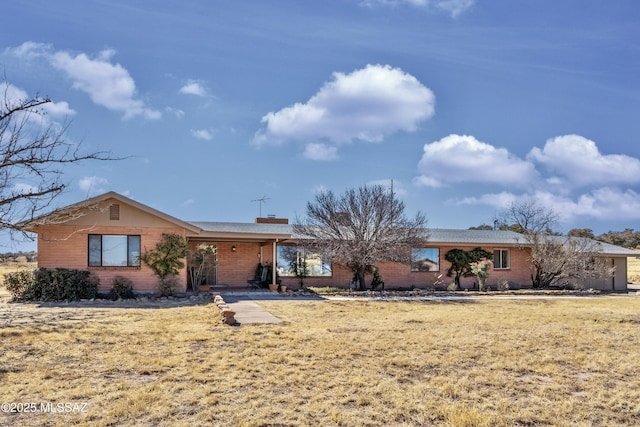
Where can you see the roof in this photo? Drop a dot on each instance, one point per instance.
(243, 227)
(479, 237)
(87, 206)
(243, 230)
(607, 248)
(280, 232)
(436, 235)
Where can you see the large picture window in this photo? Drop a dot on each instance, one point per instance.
(501, 259)
(425, 259)
(288, 255)
(112, 250)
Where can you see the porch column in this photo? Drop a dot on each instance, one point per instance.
(275, 262)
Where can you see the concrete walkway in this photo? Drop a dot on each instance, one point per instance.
(249, 312)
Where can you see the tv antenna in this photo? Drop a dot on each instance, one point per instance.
(261, 201)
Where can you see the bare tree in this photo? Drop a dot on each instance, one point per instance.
(556, 260)
(33, 152)
(527, 217)
(566, 261)
(361, 228)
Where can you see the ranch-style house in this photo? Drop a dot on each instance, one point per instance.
(106, 234)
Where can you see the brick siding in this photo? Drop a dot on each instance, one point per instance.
(68, 247)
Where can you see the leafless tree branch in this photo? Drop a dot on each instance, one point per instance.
(33, 151)
(361, 228)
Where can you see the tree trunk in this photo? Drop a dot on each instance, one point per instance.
(456, 280)
(360, 275)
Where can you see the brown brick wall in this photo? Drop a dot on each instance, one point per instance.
(400, 275)
(235, 268)
(67, 247)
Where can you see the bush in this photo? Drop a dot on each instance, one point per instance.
(166, 261)
(19, 283)
(122, 288)
(167, 286)
(503, 285)
(60, 284)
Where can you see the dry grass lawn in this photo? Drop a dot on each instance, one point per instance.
(332, 363)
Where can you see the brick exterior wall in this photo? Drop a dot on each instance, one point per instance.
(68, 247)
(236, 267)
(397, 275)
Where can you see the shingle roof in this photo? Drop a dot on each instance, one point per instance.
(609, 249)
(436, 235)
(487, 237)
(243, 227)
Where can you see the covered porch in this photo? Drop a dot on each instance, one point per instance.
(228, 255)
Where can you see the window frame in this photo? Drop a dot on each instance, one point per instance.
(501, 251)
(417, 270)
(284, 269)
(131, 261)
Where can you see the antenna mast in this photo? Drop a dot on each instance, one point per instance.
(261, 201)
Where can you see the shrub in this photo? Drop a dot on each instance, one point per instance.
(62, 284)
(166, 260)
(122, 288)
(376, 281)
(167, 285)
(503, 285)
(19, 283)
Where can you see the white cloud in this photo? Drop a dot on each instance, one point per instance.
(14, 95)
(367, 105)
(58, 109)
(453, 7)
(574, 160)
(108, 84)
(575, 180)
(605, 203)
(500, 200)
(193, 87)
(178, 113)
(425, 181)
(398, 187)
(93, 185)
(202, 134)
(30, 50)
(462, 158)
(316, 151)
(24, 188)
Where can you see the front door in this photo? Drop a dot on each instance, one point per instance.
(202, 265)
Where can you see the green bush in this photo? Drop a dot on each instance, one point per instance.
(60, 284)
(166, 261)
(19, 283)
(122, 288)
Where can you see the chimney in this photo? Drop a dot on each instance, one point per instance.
(271, 219)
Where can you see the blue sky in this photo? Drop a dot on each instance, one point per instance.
(467, 105)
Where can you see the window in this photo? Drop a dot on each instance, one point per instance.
(111, 250)
(501, 259)
(425, 259)
(288, 255)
